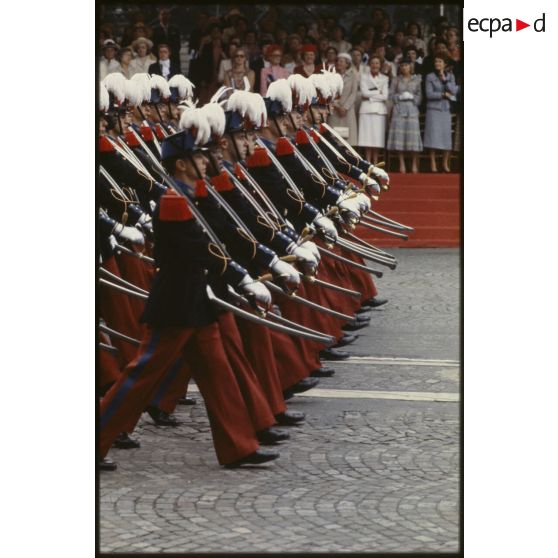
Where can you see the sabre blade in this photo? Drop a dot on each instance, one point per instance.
(350, 262)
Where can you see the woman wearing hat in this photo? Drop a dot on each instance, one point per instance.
(343, 109)
(373, 110)
(274, 71)
(404, 130)
(308, 66)
(108, 63)
(143, 59)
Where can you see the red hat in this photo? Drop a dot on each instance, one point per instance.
(309, 47)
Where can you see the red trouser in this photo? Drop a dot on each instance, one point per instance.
(258, 348)
(174, 385)
(108, 370)
(117, 311)
(294, 357)
(233, 432)
(135, 271)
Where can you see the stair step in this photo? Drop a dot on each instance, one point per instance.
(424, 193)
(420, 219)
(417, 205)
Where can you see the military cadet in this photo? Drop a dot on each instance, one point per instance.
(182, 322)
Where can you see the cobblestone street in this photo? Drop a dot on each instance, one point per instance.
(375, 468)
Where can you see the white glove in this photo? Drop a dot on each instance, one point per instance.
(112, 242)
(350, 204)
(323, 222)
(380, 175)
(128, 233)
(364, 203)
(152, 205)
(257, 289)
(370, 182)
(279, 267)
(306, 258)
(309, 245)
(144, 219)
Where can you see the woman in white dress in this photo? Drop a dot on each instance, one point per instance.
(374, 89)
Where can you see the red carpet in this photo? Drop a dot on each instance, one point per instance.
(430, 203)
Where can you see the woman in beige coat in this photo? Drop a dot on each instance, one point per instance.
(343, 109)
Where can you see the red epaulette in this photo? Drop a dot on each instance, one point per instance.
(173, 207)
(201, 190)
(260, 158)
(159, 131)
(146, 133)
(131, 139)
(222, 182)
(239, 172)
(315, 136)
(284, 147)
(323, 129)
(105, 146)
(302, 137)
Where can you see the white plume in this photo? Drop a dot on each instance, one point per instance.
(143, 82)
(134, 94)
(303, 88)
(116, 84)
(280, 90)
(322, 85)
(195, 118)
(249, 105)
(160, 83)
(219, 93)
(184, 85)
(104, 101)
(335, 82)
(216, 117)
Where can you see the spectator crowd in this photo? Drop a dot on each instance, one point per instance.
(401, 87)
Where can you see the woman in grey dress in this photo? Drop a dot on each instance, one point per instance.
(440, 88)
(404, 130)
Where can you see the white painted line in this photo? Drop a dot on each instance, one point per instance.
(365, 394)
(399, 361)
(397, 395)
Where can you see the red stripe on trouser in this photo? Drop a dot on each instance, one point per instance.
(233, 433)
(176, 389)
(259, 351)
(295, 360)
(116, 310)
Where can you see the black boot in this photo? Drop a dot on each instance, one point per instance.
(107, 465)
(374, 302)
(187, 400)
(290, 418)
(161, 418)
(256, 458)
(123, 441)
(334, 354)
(347, 339)
(355, 327)
(271, 436)
(323, 372)
(300, 387)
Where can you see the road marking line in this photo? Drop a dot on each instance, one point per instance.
(399, 361)
(366, 394)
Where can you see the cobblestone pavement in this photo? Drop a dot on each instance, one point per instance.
(366, 475)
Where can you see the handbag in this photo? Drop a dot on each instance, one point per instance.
(343, 131)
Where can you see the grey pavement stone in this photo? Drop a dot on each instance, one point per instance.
(360, 475)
